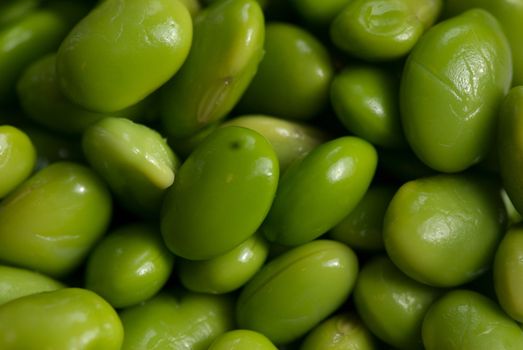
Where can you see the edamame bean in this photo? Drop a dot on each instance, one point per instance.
(16, 283)
(129, 266)
(510, 149)
(452, 84)
(296, 290)
(512, 214)
(363, 227)
(43, 102)
(466, 320)
(51, 221)
(391, 304)
(338, 171)
(221, 194)
(380, 30)
(293, 78)
(291, 140)
(134, 159)
(365, 100)
(319, 12)
(69, 318)
(508, 269)
(443, 230)
(22, 42)
(226, 272)
(188, 321)
(108, 62)
(509, 14)
(340, 332)
(17, 158)
(227, 47)
(242, 339)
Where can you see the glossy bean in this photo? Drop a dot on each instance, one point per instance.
(128, 266)
(509, 146)
(451, 88)
(391, 304)
(226, 272)
(291, 140)
(16, 282)
(17, 158)
(44, 103)
(188, 321)
(509, 14)
(226, 51)
(365, 99)
(340, 332)
(443, 230)
(277, 301)
(25, 40)
(242, 339)
(508, 269)
(338, 171)
(69, 207)
(293, 78)
(69, 318)
(381, 30)
(466, 320)
(108, 63)
(134, 159)
(221, 194)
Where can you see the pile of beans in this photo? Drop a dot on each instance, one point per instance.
(257, 175)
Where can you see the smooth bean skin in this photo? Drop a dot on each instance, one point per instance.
(391, 304)
(509, 14)
(242, 339)
(382, 30)
(319, 12)
(189, 321)
(338, 171)
(227, 272)
(293, 78)
(290, 139)
(362, 229)
(134, 159)
(514, 217)
(340, 332)
(43, 102)
(452, 84)
(69, 209)
(22, 42)
(450, 223)
(466, 320)
(129, 265)
(226, 51)
(16, 282)
(365, 100)
(108, 63)
(508, 269)
(277, 301)
(510, 147)
(221, 194)
(69, 318)
(17, 158)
